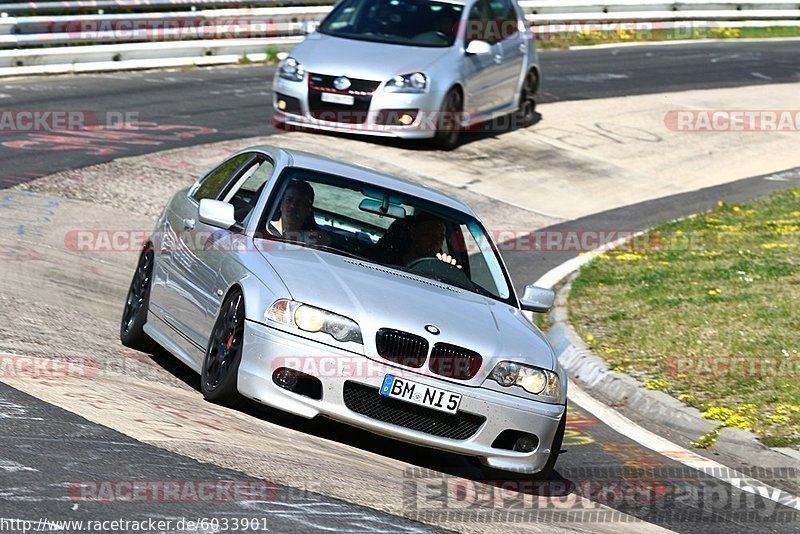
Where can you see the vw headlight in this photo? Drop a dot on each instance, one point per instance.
(291, 69)
(531, 379)
(408, 83)
(311, 319)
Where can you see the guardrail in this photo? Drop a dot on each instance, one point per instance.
(48, 44)
(85, 6)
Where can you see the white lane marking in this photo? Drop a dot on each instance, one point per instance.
(663, 446)
(5, 95)
(14, 467)
(644, 437)
(760, 76)
(9, 410)
(590, 78)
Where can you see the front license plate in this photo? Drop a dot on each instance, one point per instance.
(416, 393)
(345, 100)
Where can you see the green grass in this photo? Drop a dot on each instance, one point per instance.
(272, 54)
(701, 307)
(567, 40)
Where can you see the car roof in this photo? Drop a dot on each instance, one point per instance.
(306, 160)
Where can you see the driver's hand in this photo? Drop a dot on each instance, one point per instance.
(447, 258)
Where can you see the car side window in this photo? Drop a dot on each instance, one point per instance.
(244, 193)
(478, 22)
(214, 182)
(504, 20)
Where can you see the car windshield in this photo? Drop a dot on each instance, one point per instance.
(404, 22)
(359, 220)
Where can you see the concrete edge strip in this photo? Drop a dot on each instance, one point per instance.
(568, 353)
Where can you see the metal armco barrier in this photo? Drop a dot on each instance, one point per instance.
(116, 34)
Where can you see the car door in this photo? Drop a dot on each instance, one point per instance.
(514, 47)
(243, 192)
(184, 301)
(482, 72)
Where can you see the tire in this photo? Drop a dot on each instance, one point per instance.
(134, 313)
(555, 449)
(447, 124)
(219, 377)
(526, 113)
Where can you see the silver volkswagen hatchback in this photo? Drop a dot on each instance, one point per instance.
(411, 69)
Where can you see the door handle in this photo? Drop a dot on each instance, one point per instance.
(188, 224)
(498, 58)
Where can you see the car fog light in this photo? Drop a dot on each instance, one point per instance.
(285, 378)
(406, 119)
(525, 443)
(281, 104)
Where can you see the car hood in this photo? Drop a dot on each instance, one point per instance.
(381, 297)
(365, 60)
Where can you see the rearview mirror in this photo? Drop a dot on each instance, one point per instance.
(479, 48)
(216, 213)
(382, 208)
(537, 299)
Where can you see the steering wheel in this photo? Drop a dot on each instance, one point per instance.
(435, 268)
(422, 261)
(425, 37)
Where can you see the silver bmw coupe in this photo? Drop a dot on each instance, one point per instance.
(327, 289)
(411, 69)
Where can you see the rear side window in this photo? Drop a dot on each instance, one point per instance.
(215, 181)
(504, 19)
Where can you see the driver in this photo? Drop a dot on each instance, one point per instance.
(296, 214)
(426, 238)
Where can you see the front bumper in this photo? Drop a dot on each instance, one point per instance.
(340, 118)
(267, 349)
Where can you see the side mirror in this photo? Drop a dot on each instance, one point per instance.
(537, 299)
(308, 27)
(479, 48)
(216, 213)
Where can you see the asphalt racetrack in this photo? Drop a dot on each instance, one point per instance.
(47, 451)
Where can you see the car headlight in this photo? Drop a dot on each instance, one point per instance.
(311, 319)
(291, 69)
(531, 379)
(415, 82)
